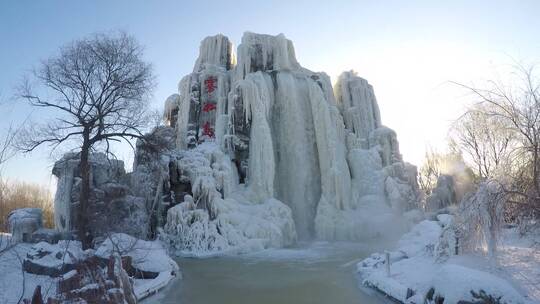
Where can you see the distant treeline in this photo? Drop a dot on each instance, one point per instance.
(16, 194)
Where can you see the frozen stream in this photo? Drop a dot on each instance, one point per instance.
(309, 274)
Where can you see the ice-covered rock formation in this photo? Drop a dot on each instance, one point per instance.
(112, 205)
(443, 195)
(258, 151)
(23, 222)
(283, 135)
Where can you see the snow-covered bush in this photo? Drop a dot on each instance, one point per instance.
(447, 245)
(480, 217)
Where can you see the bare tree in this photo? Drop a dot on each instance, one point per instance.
(429, 171)
(6, 141)
(6, 145)
(485, 139)
(98, 87)
(515, 105)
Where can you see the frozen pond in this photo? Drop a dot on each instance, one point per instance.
(309, 274)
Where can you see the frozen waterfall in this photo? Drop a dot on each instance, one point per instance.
(291, 137)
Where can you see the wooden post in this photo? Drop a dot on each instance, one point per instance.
(387, 260)
(36, 297)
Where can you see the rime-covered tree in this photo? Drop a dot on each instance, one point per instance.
(486, 140)
(98, 89)
(514, 105)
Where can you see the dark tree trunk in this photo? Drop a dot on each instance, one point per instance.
(82, 220)
(536, 165)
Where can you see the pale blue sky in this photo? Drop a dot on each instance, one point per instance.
(406, 49)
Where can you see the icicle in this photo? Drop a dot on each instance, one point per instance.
(257, 100)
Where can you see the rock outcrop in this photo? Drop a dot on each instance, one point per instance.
(443, 195)
(112, 205)
(24, 222)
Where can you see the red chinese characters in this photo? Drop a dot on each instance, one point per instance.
(209, 107)
(208, 130)
(210, 84)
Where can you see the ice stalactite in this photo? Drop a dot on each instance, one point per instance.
(257, 95)
(187, 96)
(335, 177)
(170, 114)
(64, 170)
(264, 150)
(298, 178)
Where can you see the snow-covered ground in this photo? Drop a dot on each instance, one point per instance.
(16, 284)
(419, 271)
(147, 256)
(519, 258)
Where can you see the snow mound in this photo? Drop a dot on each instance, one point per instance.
(464, 280)
(422, 236)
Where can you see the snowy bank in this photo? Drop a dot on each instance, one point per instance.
(147, 257)
(24, 266)
(426, 269)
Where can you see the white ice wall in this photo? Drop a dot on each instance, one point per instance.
(320, 150)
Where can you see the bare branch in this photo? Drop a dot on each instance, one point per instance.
(99, 86)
